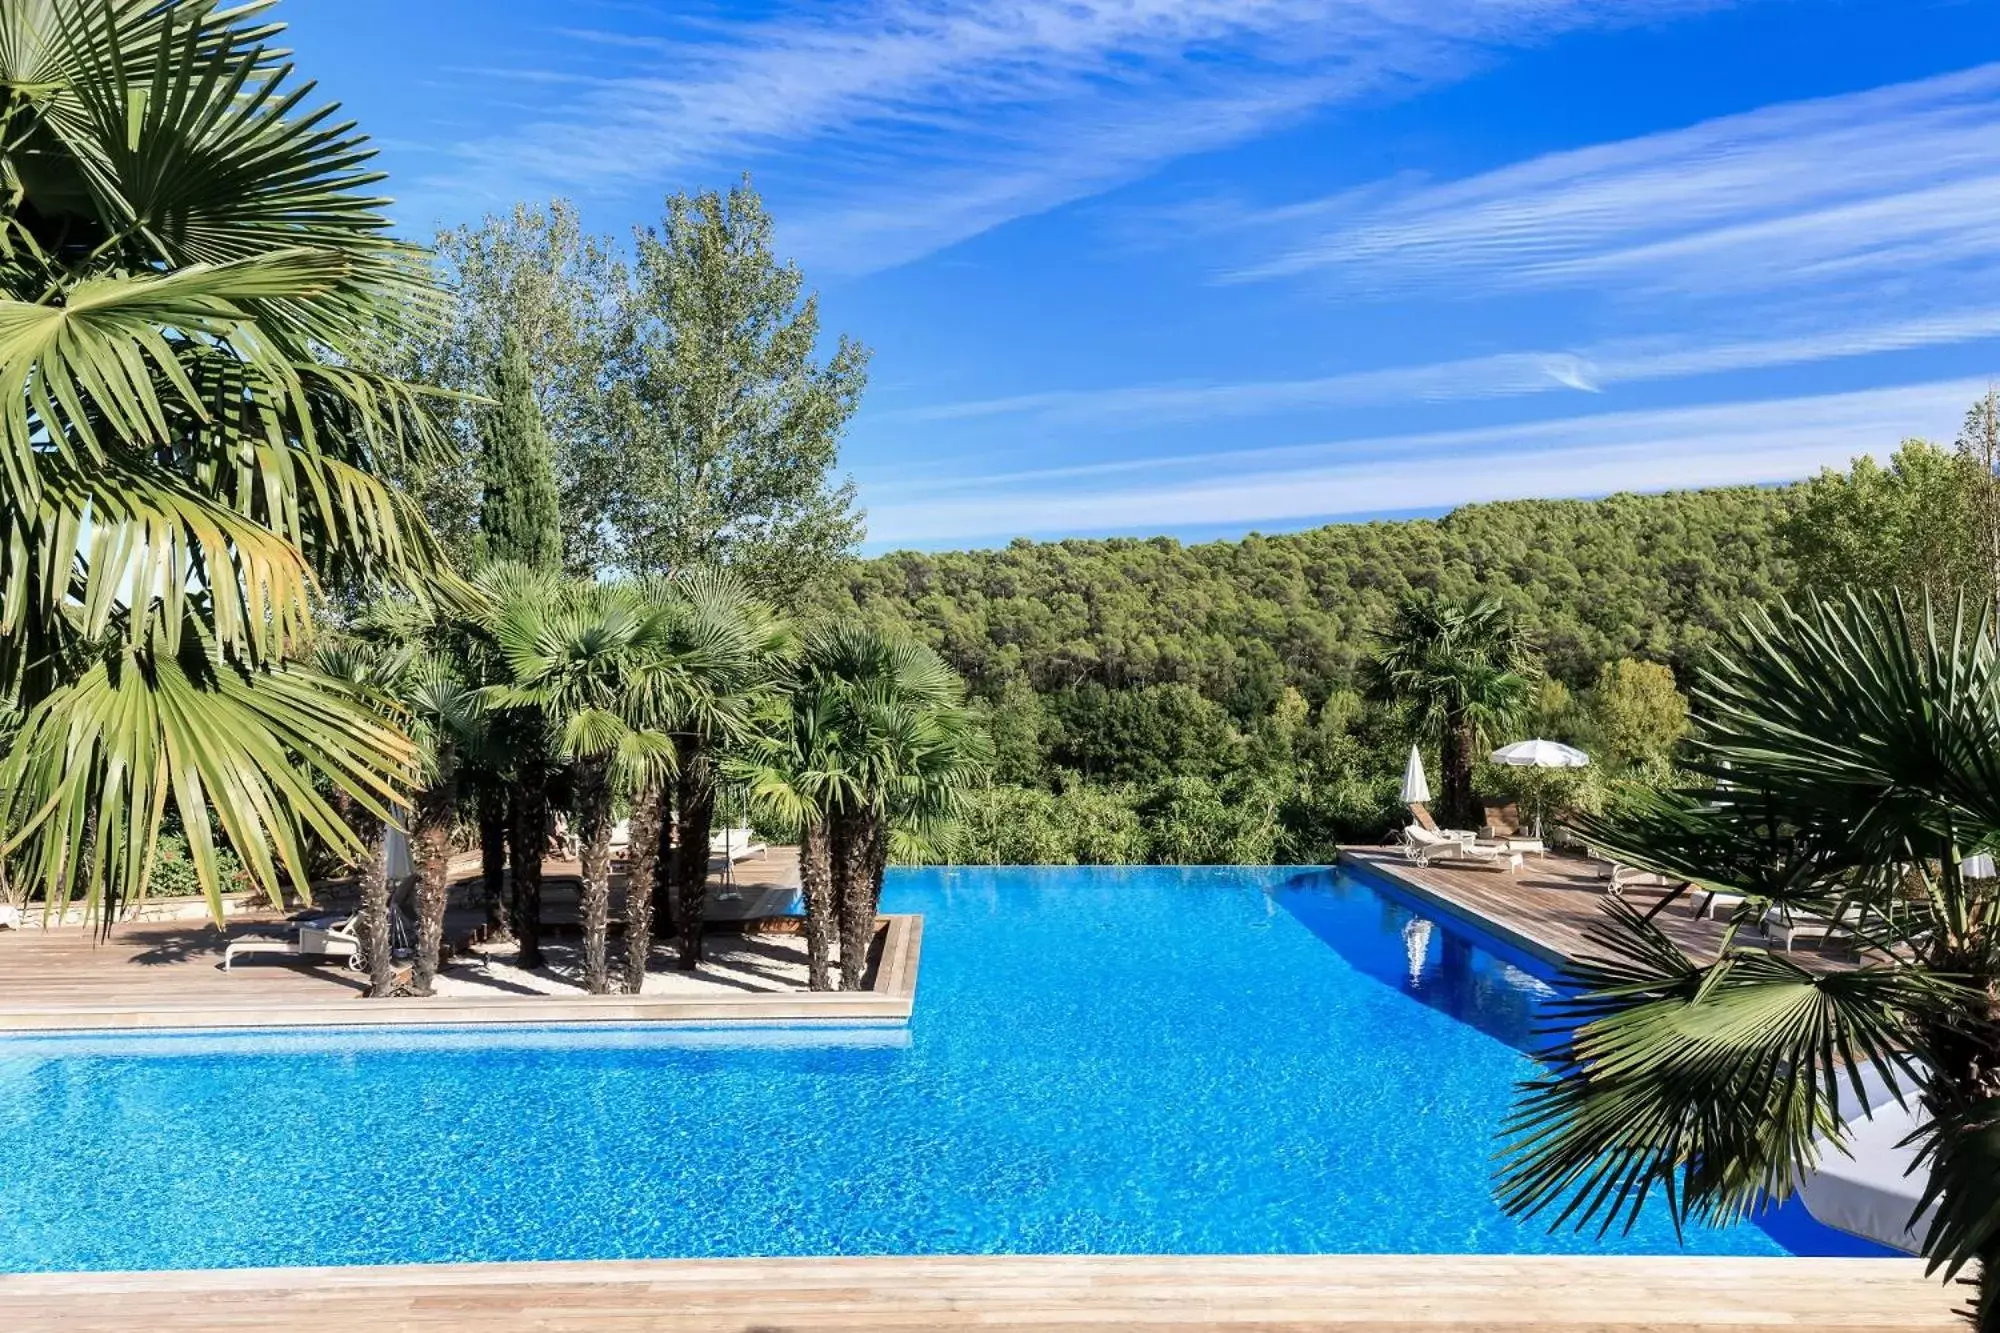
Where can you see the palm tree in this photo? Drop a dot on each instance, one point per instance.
(595, 661)
(1851, 753)
(517, 759)
(1462, 672)
(731, 646)
(445, 717)
(792, 769)
(877, 735)
(368, 676)
(193, 281)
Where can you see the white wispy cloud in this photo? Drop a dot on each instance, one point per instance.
(1722, 444)
(923, 122)
(1871, 186)
(1511, 374)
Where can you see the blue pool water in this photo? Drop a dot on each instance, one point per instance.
(1147, 1060)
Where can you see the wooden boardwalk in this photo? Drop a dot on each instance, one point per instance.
(1550, 905)
(1046, 1294)
(168, 975)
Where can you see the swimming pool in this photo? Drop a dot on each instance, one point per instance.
(1104, 1061)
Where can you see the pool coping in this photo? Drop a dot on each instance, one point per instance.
(1277, 1293)
(889, 995)
(1370, 861)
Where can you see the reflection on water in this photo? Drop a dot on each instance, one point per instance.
(1435, 962)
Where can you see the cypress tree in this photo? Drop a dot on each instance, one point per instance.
(518, 515)
(519, 520)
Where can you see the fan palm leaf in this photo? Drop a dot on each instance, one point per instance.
(1849, 750)
(193, 282)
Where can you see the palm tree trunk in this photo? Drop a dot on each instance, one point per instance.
(373, 924)
(593, 818)
(697, 810)
(1963, 1047)
(527, 838)
(641, 863)
(1455, 762)
(493, 855)
(858, 835)
(430, 844)
(816, 886)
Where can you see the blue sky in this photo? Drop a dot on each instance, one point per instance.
(1209, 266)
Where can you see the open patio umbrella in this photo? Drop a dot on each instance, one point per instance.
(1540, 754)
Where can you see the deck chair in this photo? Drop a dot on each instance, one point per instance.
(1502, 821)
(1427, 848)
(736, 844)
(1422, 815)
(1787, 927)
(331, 935)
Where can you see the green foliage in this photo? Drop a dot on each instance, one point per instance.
(727, 425)
(1076, 826)
(1140, 735)
(194, 284)
(1846, 750)
(174, 874)
(520, 517)
(1657, 576)
(1910, 525)
(1637, 713)
(1109, 667)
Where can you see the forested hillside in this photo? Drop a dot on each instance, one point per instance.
(1147, 697)
(1633, 575)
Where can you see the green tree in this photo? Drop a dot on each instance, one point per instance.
(194, 286)
(533, 273)
(1917, 525)
(1461, 672)
(1848, 758)
(729, 428)
(519, 511)
(1141, 735)
(595, 661)
(734, 647)
(1638, 713)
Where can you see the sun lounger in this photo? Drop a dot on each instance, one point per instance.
(1427, 848)
(317, 937)
(736, 844)
(1787, 926)
(1716, 905)
(328, 935)
(1872, 1186)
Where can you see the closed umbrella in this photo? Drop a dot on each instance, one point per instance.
(1416, 790)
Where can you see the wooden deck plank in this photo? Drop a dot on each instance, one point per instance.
(1045, 1294)
(161, 975)
(1550, 906)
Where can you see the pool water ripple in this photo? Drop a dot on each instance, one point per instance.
(1101, 1061)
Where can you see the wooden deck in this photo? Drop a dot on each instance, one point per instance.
(1046, 1294)
(167, 975)
(1549, 906)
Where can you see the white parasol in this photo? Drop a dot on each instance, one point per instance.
(1416, 791)
(1540, 754)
